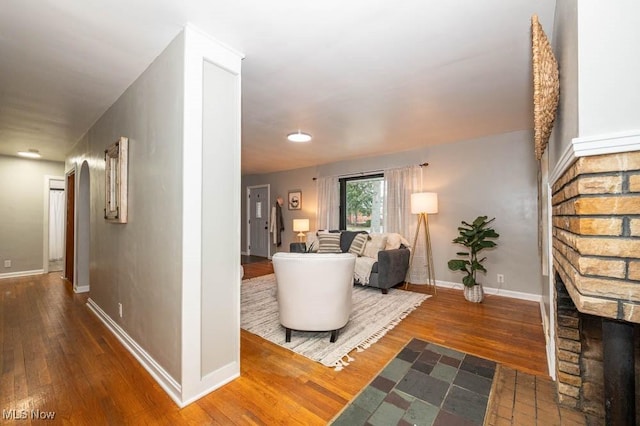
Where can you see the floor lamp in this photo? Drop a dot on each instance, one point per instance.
(423, 204)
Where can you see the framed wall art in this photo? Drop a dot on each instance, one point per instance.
(295, 200)
(115, 178)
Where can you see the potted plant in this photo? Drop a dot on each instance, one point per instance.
(474, 237)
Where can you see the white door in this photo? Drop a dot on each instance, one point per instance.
(259, 211)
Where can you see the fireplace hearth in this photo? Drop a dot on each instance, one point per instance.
(583, 369)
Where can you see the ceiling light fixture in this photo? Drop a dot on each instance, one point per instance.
(299, 137)
(31, 153)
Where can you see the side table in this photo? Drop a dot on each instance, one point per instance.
(297, 247)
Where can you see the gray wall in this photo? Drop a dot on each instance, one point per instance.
(139, 263)
(565, 45)
(22, 211)
(565, 128)
(494, 176)
(281, 183)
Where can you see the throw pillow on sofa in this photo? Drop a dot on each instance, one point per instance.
(394, 241)
(329, 243)
(312, 242)
(376, 243)
(358, 243)
(346, 238)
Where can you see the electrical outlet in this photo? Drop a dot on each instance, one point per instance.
(500, 279)
(7, 264)
(120, 309)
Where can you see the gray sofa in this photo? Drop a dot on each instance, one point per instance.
(391, 266)
(390, 269)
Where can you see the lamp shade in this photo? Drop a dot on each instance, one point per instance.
(300, 225)
(424, 202)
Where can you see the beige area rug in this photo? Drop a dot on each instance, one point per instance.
(373, 315)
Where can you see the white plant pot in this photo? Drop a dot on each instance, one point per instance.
(474, 294)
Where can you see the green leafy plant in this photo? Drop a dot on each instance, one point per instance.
(474, 237)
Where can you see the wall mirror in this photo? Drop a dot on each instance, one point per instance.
(115, 172)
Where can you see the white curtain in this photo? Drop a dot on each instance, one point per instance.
(56, 225)
(399, 185)
(328, 214)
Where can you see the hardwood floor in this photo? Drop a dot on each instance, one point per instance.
(57, 356)
(256, 269)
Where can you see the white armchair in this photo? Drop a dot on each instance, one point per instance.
(314, 291)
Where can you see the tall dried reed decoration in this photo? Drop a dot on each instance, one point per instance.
(546, 87)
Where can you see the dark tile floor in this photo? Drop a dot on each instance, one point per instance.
(425, 384)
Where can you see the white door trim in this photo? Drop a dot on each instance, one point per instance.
(45, 228)
(551, 326)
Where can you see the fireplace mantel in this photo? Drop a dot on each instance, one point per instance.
(596, 234)
(610, 143)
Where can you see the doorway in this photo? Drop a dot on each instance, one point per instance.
(81, 283)
(258, 211)
(69, 227)
(56, 227)
(53, 224)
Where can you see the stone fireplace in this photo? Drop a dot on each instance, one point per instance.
(596, 257)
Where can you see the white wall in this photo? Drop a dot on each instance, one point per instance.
(220, 304)
(609, 87)
(22, 212)
(494, 176)
(211, 216)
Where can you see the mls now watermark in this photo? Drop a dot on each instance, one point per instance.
(28, 415)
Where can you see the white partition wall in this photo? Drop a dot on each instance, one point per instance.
(167, 283)
(211, 216)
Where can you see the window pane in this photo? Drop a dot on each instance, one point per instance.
(364, 204)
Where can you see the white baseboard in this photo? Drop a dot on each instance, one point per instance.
(494, 291)
(81, 288)
(215, 380)
(21, 274)
(545, 324)
(170, 386)
(550, 348)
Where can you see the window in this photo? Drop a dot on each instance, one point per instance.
(361, 203)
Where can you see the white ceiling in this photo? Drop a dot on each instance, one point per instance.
(364, 77)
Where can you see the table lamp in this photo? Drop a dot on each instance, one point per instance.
(300, 226)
